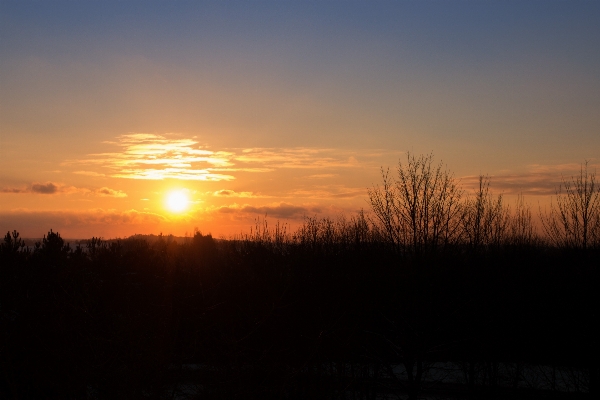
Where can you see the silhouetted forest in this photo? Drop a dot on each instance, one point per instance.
(433, 293)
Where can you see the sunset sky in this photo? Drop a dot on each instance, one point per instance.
(284, 109)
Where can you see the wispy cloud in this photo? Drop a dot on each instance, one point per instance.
(39, 188)
(537, 180)
(241, 169)
(321, 176)
(108, 192)
(51, 188)
(15, 190)
(156, 157)
(89, 173)
(278, 210)
(233, 193)
(329, 192)
(298, 158)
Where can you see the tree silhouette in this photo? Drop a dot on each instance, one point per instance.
(485, 220)
(12, 243)
(420, 211)
(574, 220)
(521, 228)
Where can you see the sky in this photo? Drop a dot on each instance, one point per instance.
(111, 111)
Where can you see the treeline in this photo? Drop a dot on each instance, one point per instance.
(354, 307)
(424, 209)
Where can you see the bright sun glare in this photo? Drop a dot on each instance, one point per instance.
(177, 201)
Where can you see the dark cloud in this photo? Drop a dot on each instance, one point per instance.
(110, 192)
(14, 190)
(283, 210)
(233, 193)
(540, 180)
(44, 188)
(531, 184)
(53, 188)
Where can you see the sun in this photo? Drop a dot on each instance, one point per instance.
(177, 201)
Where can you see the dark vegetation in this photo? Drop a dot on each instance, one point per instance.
(358, 308)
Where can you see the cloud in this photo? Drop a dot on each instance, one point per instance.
(531, 184)
(540, 180)
(172, 173)
(156, 157)
(243, 169)
(47, 188)
(329, 192)
(280, 210)
(50, 188)
(321, 176)
(40, 188)
(14, 190)
(110, 192)
(319, 192)
(233, 193)
(224, 193)
(299, 158)
(89, 173)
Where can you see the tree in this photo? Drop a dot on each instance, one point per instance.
(573, 221)
(485, 219)
(419, 214)
(421, 210)
(522, 232)
(12, 243)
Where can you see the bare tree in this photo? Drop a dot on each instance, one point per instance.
(485, 219)
(421, 209)
(383, 202)
(522, 232)
(573, 221)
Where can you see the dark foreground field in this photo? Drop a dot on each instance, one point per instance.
(308, 316)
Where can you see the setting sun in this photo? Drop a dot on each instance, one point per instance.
(177, 201)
